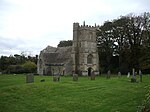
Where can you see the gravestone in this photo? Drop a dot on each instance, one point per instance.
(29, 78)
(119, 74)
(56, 77)
(140, 73)
(133, 79)
(128, 75)
(75, 77)
(93, 76)
(108, 74)
(133, 72)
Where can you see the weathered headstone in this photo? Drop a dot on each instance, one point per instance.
(108, 74)
(93, 76)
(128, 75)
(56, 77)
(75, 77)
(29, 78)
(140, 73)
(119, 74)
(133, 79)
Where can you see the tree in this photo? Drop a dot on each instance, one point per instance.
(137, 31)
(129, 38)
(121, 41)
(65, 43)
(14, 64)
(29, 67)
(4, 63)
(105, 45)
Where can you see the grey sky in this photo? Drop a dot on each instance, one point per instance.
(31, 25)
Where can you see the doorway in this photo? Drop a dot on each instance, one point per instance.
(89, 71)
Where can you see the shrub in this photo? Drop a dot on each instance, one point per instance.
(145, 107)
(15, 69)
(29, 67)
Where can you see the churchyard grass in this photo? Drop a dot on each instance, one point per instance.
(85, 95)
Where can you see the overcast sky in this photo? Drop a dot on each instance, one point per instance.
(31, 25)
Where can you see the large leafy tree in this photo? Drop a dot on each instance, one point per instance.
(145, 48)
(129, 38)
(65, 43)
(105, 45)
(137, 30)
(122, 47)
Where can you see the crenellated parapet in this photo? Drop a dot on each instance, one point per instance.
(84, 26)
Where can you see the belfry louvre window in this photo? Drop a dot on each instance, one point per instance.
(89, 59)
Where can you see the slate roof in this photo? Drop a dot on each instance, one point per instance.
(59, 55)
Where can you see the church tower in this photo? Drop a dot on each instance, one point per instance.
(84, 51)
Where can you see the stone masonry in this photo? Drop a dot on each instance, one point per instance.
(80, 58)
(84, 51)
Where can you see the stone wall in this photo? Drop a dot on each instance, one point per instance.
(51, 57)
(84, 44)
(81, 58)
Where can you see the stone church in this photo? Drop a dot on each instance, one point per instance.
(80, 58)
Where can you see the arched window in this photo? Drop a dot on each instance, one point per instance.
(89, 59)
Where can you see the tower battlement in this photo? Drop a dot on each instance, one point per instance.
(84, 26)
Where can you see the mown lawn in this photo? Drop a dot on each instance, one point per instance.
(101, 95)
